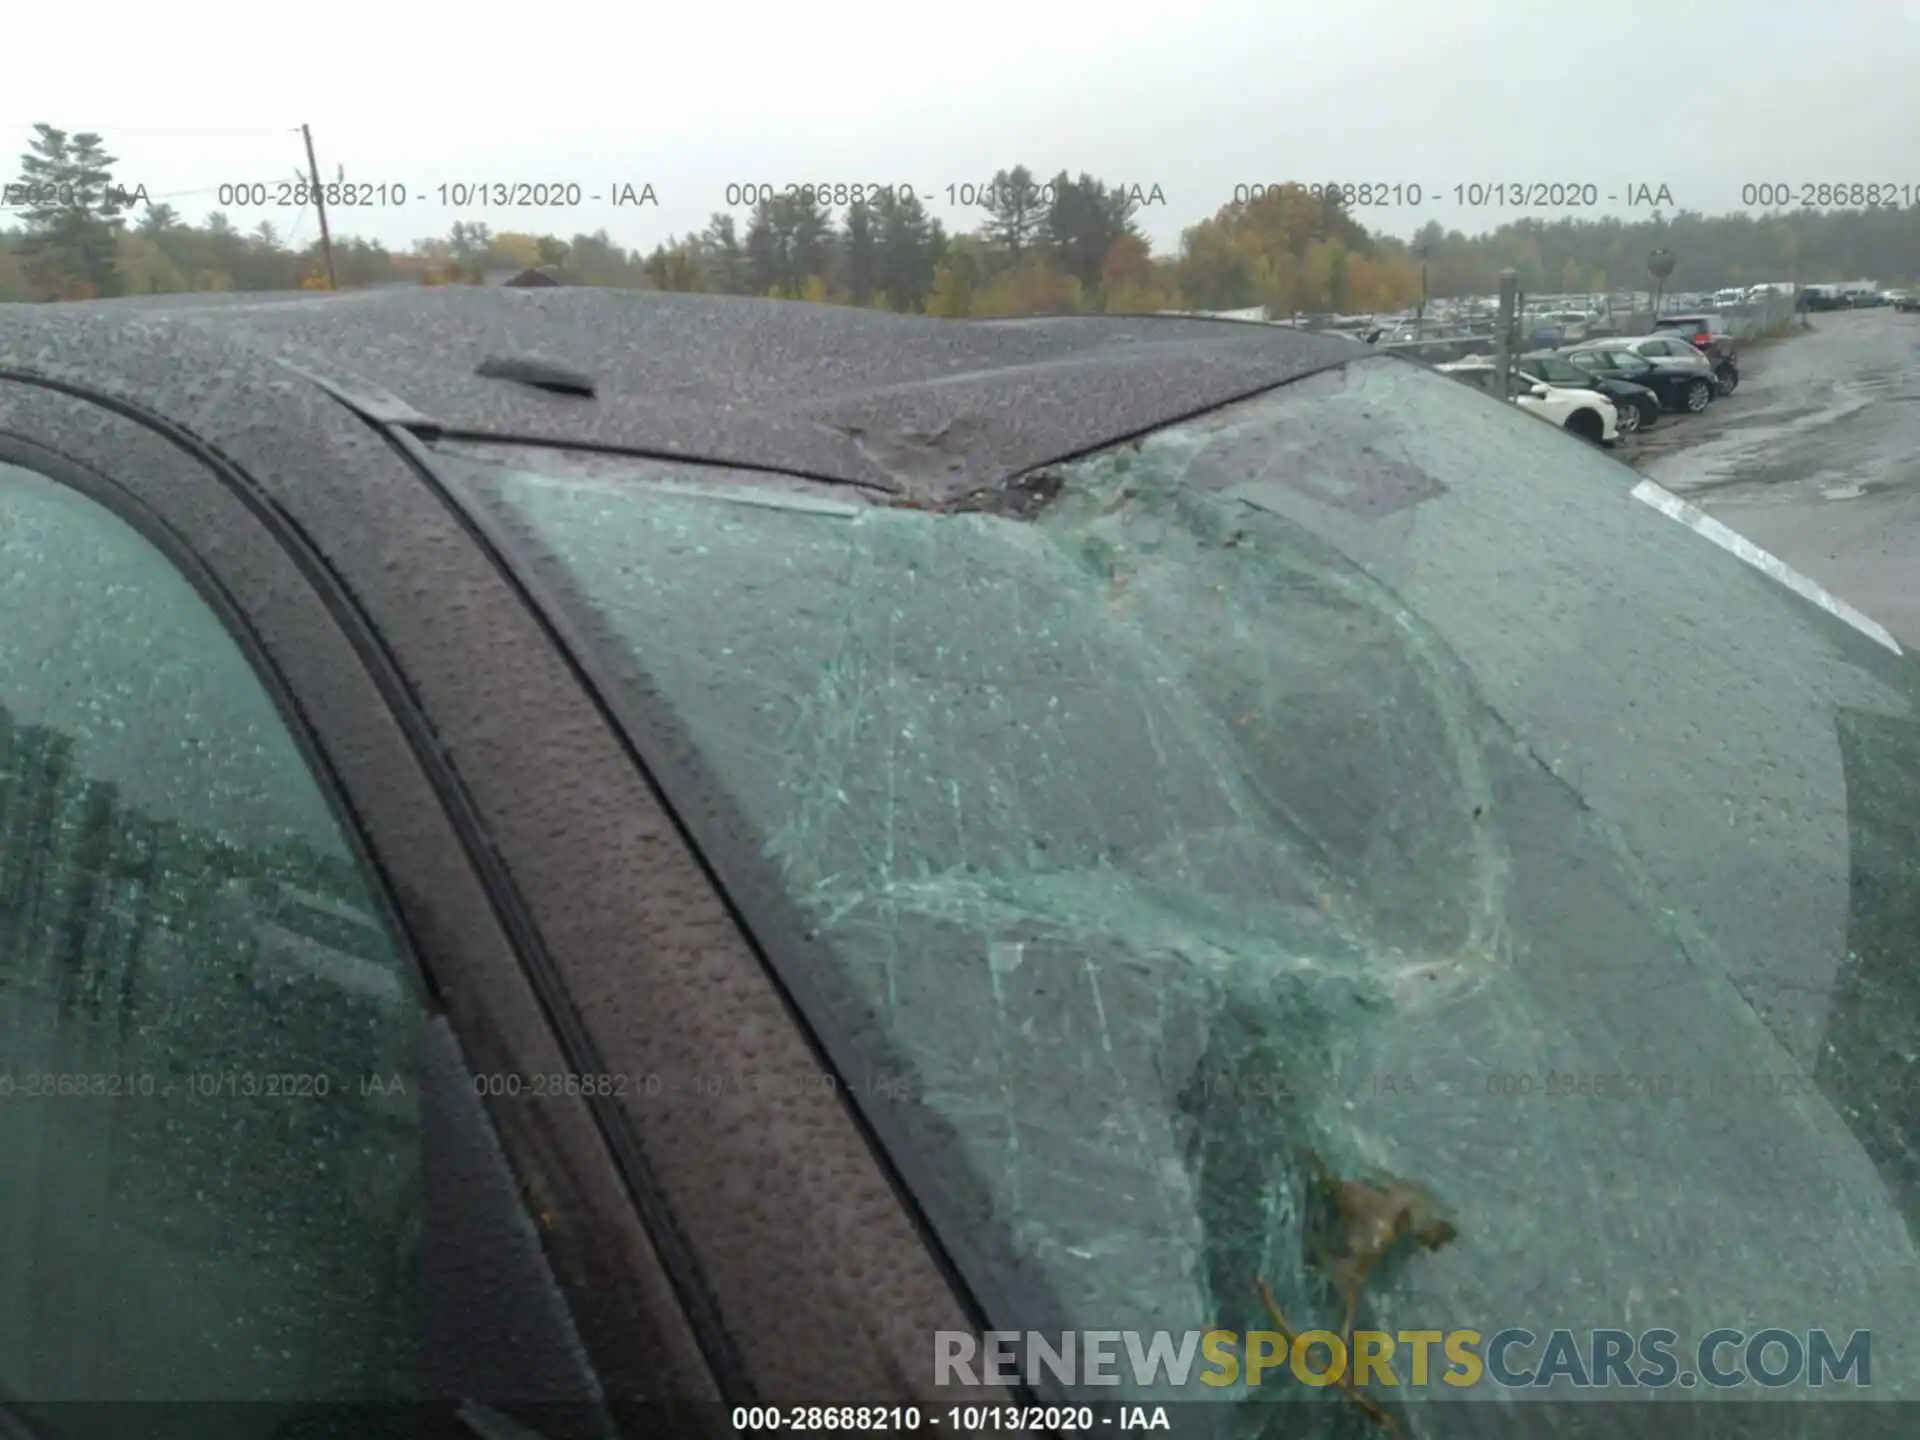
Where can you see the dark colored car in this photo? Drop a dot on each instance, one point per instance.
(1681, 390)
(1701, 331)
(1907, 304)
(625, 859)
(1639, 405)
(1704, 334)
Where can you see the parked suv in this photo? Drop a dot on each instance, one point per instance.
(1707, 334)
(1677, 372)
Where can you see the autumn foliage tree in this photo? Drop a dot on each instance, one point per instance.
(1290, 251)
(1131, 281)
(951, 296)
(1036, 286)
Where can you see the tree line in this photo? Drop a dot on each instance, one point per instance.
(1071, 244)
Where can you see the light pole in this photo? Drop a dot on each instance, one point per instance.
(1420, 323)
(1660, 266)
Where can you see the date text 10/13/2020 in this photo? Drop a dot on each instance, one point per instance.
(192, 1085)
(1472, 195)
(952, 1420)
(446, 195)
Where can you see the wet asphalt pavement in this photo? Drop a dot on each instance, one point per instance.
(1816, 457)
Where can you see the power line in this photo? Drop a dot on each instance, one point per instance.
(196, 132)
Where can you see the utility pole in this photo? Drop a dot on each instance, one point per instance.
(320, 204)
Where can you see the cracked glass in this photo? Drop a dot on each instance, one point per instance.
(1353, 798)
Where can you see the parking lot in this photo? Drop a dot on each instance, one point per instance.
(1816, 457)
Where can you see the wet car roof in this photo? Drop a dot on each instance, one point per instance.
(899, 401)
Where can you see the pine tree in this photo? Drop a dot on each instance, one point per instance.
(73, 215)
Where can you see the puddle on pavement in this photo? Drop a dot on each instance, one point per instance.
(1727, 456)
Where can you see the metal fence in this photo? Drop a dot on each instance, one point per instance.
(1743, 322)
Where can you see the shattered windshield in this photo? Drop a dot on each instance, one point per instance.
(1359, 784)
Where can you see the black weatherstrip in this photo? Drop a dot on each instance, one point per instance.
(550, 616)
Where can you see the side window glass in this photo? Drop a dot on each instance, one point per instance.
(210, 1146)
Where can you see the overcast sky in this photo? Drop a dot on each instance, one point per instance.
(1194, 98)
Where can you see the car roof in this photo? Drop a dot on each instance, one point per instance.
(899, 401)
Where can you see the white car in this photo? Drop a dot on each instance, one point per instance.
(1586, 413)
(1728, 298)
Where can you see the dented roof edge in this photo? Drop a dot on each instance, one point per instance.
(930, 480)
